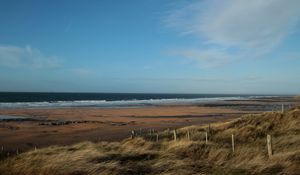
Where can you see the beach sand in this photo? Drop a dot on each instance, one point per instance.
(64, 126)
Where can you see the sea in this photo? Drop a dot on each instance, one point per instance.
(110, 100)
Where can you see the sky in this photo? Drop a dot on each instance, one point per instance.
(150, 46)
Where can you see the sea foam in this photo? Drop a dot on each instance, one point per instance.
(111, 104)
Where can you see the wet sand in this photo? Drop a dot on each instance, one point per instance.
(64, 126)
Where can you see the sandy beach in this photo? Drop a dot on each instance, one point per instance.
(64, 126)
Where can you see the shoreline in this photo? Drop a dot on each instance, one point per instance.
(65, 126)
(132, 103)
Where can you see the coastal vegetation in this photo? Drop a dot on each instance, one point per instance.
(190, 153)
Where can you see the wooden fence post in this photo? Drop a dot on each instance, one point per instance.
(17, 151)
(175, 135)
(206, 138)
(282, 108)
(2, 148)
(188, 134)
(232, 142)
(132, 134)
(156, 137)
(140, 131)
(269, 145)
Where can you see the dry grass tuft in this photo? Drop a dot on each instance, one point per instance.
(143, 156)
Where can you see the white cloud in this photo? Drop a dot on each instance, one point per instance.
(28, 57)
(252, 28)
(207, 58)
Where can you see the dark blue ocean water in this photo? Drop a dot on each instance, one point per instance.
(34, 99)
(51, 97)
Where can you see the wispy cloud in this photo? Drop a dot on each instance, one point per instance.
(26, 57)
(207, 58)
(82, 72)
(250, 28)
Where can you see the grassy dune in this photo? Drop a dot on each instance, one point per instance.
(144, 156)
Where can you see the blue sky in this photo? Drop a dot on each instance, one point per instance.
(207, 46)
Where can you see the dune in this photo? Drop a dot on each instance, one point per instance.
(144, 154)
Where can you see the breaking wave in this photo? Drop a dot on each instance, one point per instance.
(111, 104)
